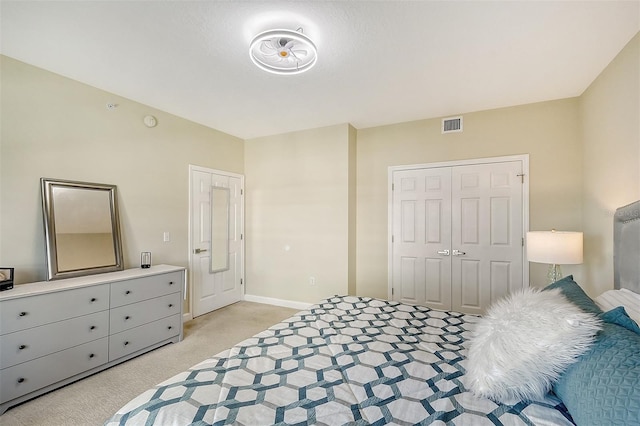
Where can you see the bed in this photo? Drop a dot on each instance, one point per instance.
(360, 361)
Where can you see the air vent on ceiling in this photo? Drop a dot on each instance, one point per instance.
(452, 124)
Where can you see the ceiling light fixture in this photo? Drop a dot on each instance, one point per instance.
(283, 51)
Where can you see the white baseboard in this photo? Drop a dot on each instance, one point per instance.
(277, 302)
(187, 316)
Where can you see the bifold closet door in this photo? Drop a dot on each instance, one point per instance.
(486, 234)
(457, 235)
(422, 237)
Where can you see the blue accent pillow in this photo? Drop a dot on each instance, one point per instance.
(619, 316)
(575, 294)
(602, 387)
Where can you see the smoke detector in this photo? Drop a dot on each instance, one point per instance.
(283, 51)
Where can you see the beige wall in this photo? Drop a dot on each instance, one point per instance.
(547, 131)
(59, 128)
(316, 200)
(610, 113)
(297, 214)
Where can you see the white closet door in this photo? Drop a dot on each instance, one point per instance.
(422, 237)
(457, 235)
(487, 234)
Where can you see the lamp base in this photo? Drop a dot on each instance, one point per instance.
(554, 273)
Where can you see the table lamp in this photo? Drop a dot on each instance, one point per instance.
(555, 248)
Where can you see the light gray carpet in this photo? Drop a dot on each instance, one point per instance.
(94, 399)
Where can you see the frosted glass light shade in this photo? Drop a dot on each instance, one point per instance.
(554, 247)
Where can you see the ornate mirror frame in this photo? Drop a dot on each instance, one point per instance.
(82, 229)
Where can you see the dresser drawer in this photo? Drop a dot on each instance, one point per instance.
(32, 311)
(25, 345)
(138, 338)
(30, 376)
(136, 314)
(136, 290)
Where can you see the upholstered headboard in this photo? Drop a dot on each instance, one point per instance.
(626, 249)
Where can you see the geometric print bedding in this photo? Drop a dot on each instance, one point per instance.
(347, 360)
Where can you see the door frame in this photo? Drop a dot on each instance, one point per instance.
(193, 168)
(523, 158)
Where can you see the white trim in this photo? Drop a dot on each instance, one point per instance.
(192, 168)
(277, 302)
(524, 158)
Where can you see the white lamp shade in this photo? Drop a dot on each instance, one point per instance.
(554, 247)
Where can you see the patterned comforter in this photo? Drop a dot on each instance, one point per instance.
(347, 360)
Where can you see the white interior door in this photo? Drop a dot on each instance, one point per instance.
(422, 237)
(456, 234)
(487, 253)
(213, 288)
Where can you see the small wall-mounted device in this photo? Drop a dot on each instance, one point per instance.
(6, 278)
(145, 259)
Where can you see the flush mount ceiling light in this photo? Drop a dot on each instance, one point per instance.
(283, 51)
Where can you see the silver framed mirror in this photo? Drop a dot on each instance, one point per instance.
(219, 260)
(82, 229)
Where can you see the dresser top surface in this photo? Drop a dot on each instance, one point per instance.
(42, 287)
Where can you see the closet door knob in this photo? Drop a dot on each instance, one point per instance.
(444, 252)
(458, 253)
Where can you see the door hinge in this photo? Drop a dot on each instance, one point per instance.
(522, 241)
(241, 281)
(241, 191)
(521, 175)
(393, 186)
(241, 236)
(392, 239)
(391, 291)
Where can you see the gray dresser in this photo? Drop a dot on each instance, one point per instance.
(56, 332)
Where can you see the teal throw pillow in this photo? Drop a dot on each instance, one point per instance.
(575, 294)
(601, 388)
(619, 316)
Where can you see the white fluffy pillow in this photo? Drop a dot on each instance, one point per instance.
(523, 344)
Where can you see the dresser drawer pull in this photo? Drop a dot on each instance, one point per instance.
(169, 328)
(126, 343)
(21, 347)
(91, 355)
(21, 380)
(171, 305)
(170, 282)
(22, 314)
(127, 318)
(93, 327)
(127, 292)
(93, 299)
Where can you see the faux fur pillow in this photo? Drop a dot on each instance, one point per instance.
(523, 344)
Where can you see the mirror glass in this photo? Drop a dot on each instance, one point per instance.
(81, 228)
(219, 229)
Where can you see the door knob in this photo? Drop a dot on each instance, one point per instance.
(458, 253)
(196, 251)
(444, 252)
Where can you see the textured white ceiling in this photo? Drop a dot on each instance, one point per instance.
(380, 62)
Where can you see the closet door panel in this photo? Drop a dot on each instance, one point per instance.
(421, 234)
(486, 201)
